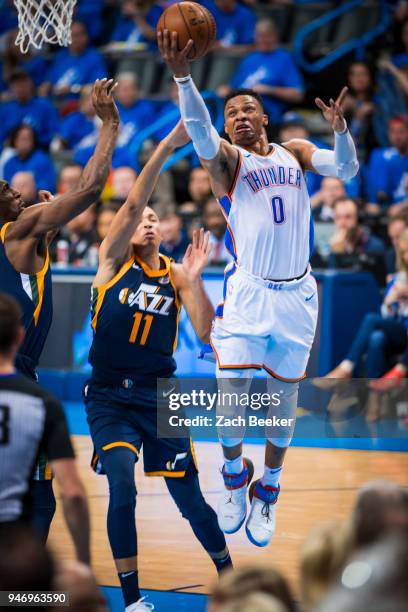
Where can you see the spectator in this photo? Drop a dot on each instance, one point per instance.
(81, 128)
(235, 584)
(324, 554)
(255, 602)
(89, 12)
(24, 183)
(396, 226)
(215, 222)
(270, 71)
(138, 22)
(174, 238)
(123, 179)
(384, 335)
(69, 178)
(171, 105)
(331, 189)
(381, 507)
(28, 158)
(350, 236)
(15, 60)
(81, 237)
(360, 109)
(199, 187)
(77, 65)
(28, 109)
(76, 579)
(36, 425)
(388, 168)
(134, 114)
(25, 564)
(235, 23)
(374, 580)
(104, 218)
(400, 60)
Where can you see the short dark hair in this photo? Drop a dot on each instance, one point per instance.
(10, 321)
(243, 92)
(19, 75)
(347, 198)
(17, 130)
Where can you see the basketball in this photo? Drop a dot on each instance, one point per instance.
(190, 20)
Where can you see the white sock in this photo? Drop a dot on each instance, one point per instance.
(234, 466)
(347, 365)
(271, 476)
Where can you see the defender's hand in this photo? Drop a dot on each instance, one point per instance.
(176, 60)
(103, 101)
(197, 255)
(177, 137)
(334, 113)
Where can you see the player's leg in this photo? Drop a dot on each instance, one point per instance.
(263, 494)
(117, 444)
(42, 506)
(189, 499)
(237, 471)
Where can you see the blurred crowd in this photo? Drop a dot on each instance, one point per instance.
(49, 129)
(356, 565)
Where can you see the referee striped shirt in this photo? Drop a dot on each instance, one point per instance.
(32, 421)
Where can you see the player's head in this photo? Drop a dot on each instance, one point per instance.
(11, 329)
(11, 202)
(244, 118)
(147, 235)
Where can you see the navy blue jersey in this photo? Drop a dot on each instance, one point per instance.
(34, 294)
(135, 319)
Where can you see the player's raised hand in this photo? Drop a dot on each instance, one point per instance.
(178, 136)
(334, 113)
(197, 255)
(175, 59)
(103, 100)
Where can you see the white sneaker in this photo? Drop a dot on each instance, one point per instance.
(261, 522)
(140, 606)
(232, 507)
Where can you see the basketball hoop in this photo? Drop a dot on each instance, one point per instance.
(44, 21)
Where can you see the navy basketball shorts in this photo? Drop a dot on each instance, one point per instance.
(127, 417)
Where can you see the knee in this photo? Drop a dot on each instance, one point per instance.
(376, 340)
(119, 469)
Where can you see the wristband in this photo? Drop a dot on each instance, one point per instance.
(181, 80)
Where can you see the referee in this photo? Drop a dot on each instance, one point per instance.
(32, 422)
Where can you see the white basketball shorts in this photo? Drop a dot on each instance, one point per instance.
(265, 324)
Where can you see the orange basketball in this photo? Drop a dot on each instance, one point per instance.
(190, 20)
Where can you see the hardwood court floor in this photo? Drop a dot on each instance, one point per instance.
(317, 485)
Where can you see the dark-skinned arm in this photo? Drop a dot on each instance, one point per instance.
(37, 220)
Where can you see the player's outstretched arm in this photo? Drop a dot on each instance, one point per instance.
(37, 220)
(341, 162)
(116, 244)
(189, 284)
(216, 154)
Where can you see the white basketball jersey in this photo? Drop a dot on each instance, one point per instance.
(270, 233)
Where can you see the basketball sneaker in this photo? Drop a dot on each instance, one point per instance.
(261, 522)
(232, 507)
(140, 606)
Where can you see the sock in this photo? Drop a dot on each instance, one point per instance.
(234, 466)
(271, 476)
(129, 581)
(222, 563)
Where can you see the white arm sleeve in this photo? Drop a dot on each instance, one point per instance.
(341, 162)
(197, 120)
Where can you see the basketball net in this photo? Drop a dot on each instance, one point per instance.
(44, 21)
